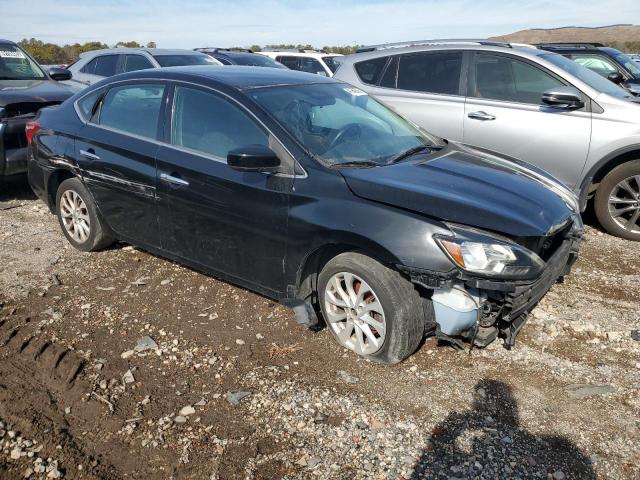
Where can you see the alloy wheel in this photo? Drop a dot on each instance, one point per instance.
(624, 204)
(354, 313)
(75, 216)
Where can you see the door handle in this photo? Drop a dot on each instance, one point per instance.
(89, 154)
(165, 177)
(481, 116)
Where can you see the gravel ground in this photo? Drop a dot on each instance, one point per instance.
(119, 364)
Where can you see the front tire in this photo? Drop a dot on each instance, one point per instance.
(371, 309)
(79, 218)
(617, 201)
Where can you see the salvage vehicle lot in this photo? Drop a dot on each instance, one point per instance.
(269, 399)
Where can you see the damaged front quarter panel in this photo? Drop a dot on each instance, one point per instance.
(478, 310)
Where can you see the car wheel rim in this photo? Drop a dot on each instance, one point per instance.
(354, 313)
(624, 204)
(75, 216)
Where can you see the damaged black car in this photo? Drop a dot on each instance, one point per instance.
(309, 191)
(24, 89)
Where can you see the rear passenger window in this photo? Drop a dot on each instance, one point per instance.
(105, 65)
(431, 72)
(289, 62)
(503, 78)
(86, 104)
(133, 109)
(311, 65)
(369, 71)
(207, 123)
(136, 62)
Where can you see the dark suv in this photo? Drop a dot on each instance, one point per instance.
(24, 89)
(229, 56)
(606, 61)
(311, 192)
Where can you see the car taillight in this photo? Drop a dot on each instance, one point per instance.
(31, 129)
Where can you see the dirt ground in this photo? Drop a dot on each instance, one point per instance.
(228, 386)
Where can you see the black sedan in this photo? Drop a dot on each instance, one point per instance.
(24, 89)
(308, 191)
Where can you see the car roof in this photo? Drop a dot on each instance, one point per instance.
(286, 53)
(7, 42)
(522, 50)
(151, 51)
(236, 76)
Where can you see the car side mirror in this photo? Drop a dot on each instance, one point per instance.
(254, 158)
(567, 98)
(59, 74)
(615, 77)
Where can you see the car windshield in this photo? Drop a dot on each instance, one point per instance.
(331, 63)
(186, 59)
(625, 60)
(16, 65)
(589, 77)
(256, 60)
(340, 124)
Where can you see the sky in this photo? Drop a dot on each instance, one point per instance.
(198, 23)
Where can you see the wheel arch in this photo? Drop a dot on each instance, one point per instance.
(603, 167)
(311, 266)
(53, 182)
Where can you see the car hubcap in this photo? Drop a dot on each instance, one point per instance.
(355, 313)
(624, 204)
(75, 216)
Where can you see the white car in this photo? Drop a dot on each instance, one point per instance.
(309, 61)
(95, 65)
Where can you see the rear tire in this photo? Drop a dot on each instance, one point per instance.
(79, 218)
(386, 332)
(619, 192)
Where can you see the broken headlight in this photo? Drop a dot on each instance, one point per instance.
(483, 254)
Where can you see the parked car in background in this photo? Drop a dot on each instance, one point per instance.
(96, 65)
(527, 103)
(311, 192)
(605, 61)
(227, 56)
(309, 61)
(24, 89)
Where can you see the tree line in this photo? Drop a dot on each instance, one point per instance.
(52, 54)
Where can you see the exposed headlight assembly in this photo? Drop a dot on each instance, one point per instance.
(484, 255)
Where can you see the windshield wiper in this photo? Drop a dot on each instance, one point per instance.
(356, 163)
(412, 151)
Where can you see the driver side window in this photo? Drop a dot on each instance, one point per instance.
(503, 78)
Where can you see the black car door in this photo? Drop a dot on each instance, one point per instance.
(231, 222)
(116, 151)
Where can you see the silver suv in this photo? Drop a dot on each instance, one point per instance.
(526, 103)
(96, 65)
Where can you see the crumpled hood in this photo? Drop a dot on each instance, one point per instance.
(463, 186)
(22, 91)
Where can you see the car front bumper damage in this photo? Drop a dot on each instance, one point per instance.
(493, 309)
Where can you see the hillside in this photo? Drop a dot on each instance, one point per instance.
(625, 37)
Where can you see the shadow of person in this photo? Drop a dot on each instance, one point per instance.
(488, 442)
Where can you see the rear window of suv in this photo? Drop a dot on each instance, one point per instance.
(430, 72)
(369, 71)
